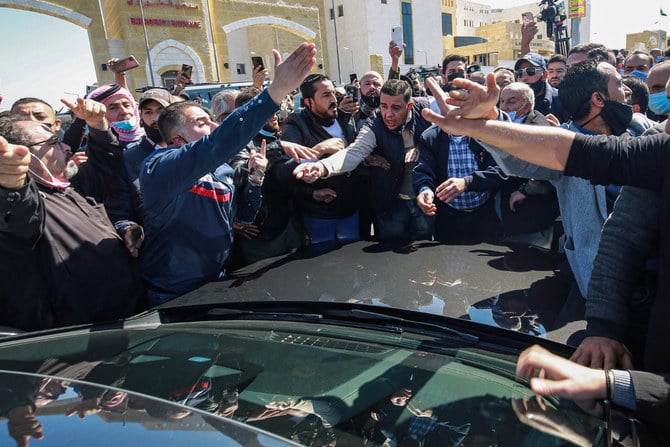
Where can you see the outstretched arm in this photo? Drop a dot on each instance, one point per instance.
(544, 146)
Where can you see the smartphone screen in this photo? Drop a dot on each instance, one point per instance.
(125, 64)
(396, 35)
(257, 61)
(527, 17)
(353, 77)
(187, 70)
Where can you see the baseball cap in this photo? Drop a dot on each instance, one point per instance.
(534, 59)
(161, 96)
(472, 68)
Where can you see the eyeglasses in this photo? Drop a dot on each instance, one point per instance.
(53, 140)
(530, 71)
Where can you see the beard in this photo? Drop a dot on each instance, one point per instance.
(153, 134)
(271, 127)
(71, 169)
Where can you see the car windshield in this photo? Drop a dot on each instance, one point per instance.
(317, 384)
(117, 416)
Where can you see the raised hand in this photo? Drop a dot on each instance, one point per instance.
(291, 72)
(14, 163)
(93, 112)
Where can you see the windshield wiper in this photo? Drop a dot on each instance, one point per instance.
(400, 323)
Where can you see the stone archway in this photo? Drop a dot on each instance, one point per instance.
(300, 30)
(170, 54)
(249, 36)
(49, 8)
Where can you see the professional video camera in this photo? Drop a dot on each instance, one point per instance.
(553, 14)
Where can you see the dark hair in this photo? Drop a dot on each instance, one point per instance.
(396, 87)
(11, 132)
(307, 88)
(640, 91)
(245, 95)
(30, 100)
(586, 48)
(580, 82)
(557, 58)
(452, 58)
(644, 54)
(172, 118)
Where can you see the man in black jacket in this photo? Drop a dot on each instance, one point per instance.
(388, 142)
(329, 207)
(66, 263)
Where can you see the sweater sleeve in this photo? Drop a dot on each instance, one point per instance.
(348, 159)
(641, 161)
(652, 397)
(628, 239)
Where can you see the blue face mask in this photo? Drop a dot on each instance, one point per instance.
(659, 103)
(513, 117)
(125, 125)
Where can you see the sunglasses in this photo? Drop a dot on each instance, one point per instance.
(530, 71)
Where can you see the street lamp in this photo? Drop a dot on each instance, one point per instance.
(352, 58)
(425, 54)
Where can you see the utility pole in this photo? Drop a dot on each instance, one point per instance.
(146, 45)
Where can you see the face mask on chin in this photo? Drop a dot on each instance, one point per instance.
(127, 125)
(617, 115)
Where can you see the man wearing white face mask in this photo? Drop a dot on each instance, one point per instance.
(66, 263)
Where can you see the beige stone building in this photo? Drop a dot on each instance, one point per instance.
(218, 37)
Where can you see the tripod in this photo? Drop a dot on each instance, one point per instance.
(561, 40)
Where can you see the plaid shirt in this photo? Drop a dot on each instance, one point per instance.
(462, 163)
(420, 427)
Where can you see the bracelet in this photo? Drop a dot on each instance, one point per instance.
(608, 385)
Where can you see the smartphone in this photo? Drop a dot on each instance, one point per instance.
(352, 91)
(527, 17)
(125, 64)
(257, 61)
(187, 70)
(353, 77)
(396, 35)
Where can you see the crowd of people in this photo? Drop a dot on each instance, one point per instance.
(139, 202)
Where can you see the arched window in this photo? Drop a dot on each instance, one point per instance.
(168, 78)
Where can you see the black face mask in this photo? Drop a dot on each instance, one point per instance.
(538, 88)
(372, 101)
(153, 134)
(453, 76)
(617, 115)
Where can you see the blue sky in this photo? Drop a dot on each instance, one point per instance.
(42, 56)
(50, 58)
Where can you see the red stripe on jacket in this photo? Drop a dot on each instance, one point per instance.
(211, 193)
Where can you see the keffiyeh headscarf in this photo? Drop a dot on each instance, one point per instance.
(129, 130)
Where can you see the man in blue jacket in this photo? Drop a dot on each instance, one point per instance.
(190, 198)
